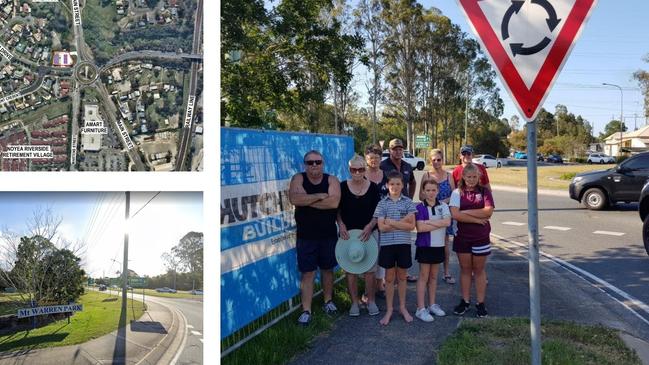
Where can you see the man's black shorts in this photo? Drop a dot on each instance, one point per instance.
(313, 254)
(392, 255)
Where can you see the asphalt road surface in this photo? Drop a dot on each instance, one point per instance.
(192, 309)
(607, 244)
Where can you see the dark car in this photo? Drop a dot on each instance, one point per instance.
(539, 157)
(554, 159)
(622, 183)
(102, 287)
(643, 209)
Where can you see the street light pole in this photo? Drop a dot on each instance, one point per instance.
(619, 152)
(125, 263)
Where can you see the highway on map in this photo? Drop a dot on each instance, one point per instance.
(608, 243)
(186, 133)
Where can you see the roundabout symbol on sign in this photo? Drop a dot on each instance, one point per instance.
(552, 22)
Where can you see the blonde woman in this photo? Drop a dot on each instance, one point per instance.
(358, 201)
(446, 186)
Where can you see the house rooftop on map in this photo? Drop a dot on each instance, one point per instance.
(62, 59)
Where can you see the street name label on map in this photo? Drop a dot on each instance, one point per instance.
(94, 127)
(5, 53)
(190, 111)
(54, 309)
(73, 152)
(125, 136)
(9, 98)
(28, 152)
(76, 12)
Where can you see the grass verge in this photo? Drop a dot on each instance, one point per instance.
(506, 341)
(549, 177)
(9, 303)
(100, 315)
(281, 342)
(179, 294)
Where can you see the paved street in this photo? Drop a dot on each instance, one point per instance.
(608, 244)
(192, 310)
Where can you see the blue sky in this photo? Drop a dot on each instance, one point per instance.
(610, 49)
(153, 231)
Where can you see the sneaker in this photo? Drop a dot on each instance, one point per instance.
(436, 310)
(461, 308)
(304, 318)
(354, 311)
(330, 308)
(422, 313)
(372, 309)
(481, 310)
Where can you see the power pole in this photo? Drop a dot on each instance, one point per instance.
(466, 106)
(125, 262)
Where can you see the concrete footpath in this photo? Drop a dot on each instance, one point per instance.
(564, 296)
(153, 339)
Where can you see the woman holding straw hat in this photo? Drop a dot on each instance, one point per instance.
(358, 201)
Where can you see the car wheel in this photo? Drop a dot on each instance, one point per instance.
(484, 164)
(601, 162)
(420, 165)
(594, 199)
(499, 165)
(645, 234)
(590, 162)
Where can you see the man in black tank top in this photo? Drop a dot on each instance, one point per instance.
(316, 196)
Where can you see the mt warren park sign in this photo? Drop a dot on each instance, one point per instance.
(40, 311)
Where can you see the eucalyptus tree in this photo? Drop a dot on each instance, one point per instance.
(373, 29)
(642, 76)
(406, 27)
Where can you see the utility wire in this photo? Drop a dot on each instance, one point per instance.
(147, 203)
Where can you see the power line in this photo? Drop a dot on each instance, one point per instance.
(147, 203)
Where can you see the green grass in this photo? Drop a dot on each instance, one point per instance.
(179, 294)
(549, 177)
(506, 341)
(99, 28)
(9, 303)
(100, 315)
(281, 342)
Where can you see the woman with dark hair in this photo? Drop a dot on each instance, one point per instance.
(472, 205)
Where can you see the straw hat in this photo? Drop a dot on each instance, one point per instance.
(354, 256)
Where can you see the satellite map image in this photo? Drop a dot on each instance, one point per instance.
(101, 85)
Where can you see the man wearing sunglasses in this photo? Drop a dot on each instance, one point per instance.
(315, 196)
(466, 157)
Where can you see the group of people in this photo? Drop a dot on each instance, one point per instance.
(378, 202)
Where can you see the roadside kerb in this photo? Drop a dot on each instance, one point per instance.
(515, 189)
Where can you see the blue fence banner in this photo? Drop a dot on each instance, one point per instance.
(258, 261)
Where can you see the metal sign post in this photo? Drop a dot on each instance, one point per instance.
(533, 240)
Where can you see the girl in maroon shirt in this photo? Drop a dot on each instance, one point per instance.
(472, 205)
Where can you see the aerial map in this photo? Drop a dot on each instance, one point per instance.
(101, 85)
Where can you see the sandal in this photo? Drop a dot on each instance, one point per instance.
(449, 279)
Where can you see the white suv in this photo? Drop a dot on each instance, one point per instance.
(417, 163)
(600, 158)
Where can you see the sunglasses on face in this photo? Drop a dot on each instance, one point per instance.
(466, 153)
(313, 162)
(437, 160)
(359, 170)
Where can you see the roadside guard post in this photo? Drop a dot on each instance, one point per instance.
(528, 42)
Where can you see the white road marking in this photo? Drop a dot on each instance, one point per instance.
(201, 340)
(196, 333)
(609, 233)
(190, 326)
(558, 228)
(513, 223)
(628, 299)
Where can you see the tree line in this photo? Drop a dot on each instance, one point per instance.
(302, 65)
